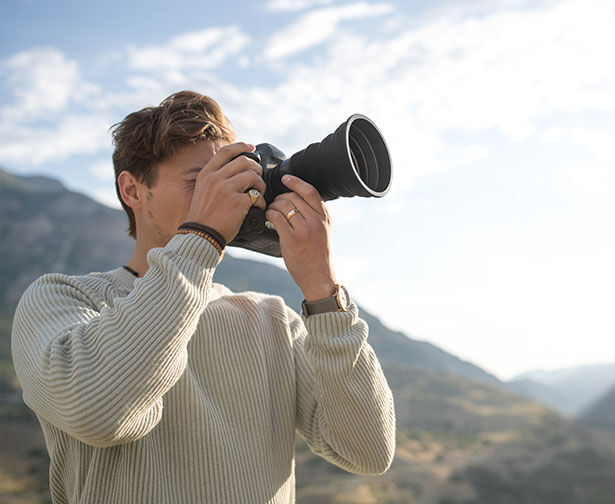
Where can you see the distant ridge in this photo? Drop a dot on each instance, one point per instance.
(46, 228)
(602, 412)
(393, 347)
(569, 391)
(35, 183)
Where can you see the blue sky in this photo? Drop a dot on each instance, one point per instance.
(497, 239)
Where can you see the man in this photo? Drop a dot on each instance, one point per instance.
(154, 385)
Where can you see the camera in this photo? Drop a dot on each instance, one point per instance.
(352, 161)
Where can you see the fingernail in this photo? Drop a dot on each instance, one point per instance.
(269, 225)
(286, 178)
(252, 147)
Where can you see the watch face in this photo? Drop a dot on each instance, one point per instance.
(343, 298)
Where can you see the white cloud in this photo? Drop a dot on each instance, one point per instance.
(34, 145)
(202, 49)
(509, 72)
(44, 82)
(352, 267)
(318, 26)
(102, 170)
(599, 142)
(503, 71)
(106, 196)
(41, 123)
(593, 179)
(293, 5)
(445, 89)
(596, 175)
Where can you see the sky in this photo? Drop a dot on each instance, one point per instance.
(496, 241)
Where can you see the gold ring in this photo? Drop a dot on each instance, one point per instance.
(290, 214)
(254, 194)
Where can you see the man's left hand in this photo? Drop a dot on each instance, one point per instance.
(304, 237)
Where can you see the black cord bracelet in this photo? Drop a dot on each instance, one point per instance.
(195, 226)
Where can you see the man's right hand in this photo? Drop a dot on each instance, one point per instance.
(220, 200)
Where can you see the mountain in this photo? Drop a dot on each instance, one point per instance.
(602, 412)
(47, 228)
(569, 391)
(392, 347)
(462, 437)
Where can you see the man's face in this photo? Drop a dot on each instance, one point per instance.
(168, 200)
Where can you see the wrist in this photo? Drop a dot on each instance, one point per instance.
(206, 232)
(339, 301)
(320, 291)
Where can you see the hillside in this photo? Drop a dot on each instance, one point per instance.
(393, 348)
(46, 228)
(569, 391)
(460, 441)
(602, 412)
(462, 436)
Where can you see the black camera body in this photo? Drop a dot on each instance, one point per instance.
(351, 161)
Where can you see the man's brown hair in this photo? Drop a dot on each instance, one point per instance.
(149, 136)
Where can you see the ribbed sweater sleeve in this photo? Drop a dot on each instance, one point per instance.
(345, 408)
(100, 372)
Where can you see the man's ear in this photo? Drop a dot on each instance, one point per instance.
(131, 190)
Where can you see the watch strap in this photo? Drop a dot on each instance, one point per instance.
(325, 305)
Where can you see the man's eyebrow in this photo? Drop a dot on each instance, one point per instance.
(194, 169)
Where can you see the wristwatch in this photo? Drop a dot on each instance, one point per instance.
(339, 301)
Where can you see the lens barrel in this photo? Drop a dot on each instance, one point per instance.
(351, 161)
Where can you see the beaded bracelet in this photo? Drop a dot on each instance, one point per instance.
(208, 237)
(205, 229)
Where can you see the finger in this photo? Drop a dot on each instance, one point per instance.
(227, 153)
(281, 224)
(238, 165)
(307, 191)
(258, 202)
(284, 206)
(245, 180)
(300, 204)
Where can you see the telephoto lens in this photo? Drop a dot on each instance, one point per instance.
(352, 161)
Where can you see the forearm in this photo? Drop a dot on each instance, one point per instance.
(345, 407)
(100, 373)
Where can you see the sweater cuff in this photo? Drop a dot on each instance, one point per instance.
(193, 255)
(194, 248)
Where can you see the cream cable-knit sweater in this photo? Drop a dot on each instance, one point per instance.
(172, 389)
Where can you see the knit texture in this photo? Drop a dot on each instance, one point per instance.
(172, 389)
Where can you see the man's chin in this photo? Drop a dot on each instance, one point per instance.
(161, 240)
(166, 240)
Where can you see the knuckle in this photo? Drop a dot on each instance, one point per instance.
(239, 199)
(255, 176)
(213, 176)
(311, 191)
(233, 145)
(293, 198)
(258, 169)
